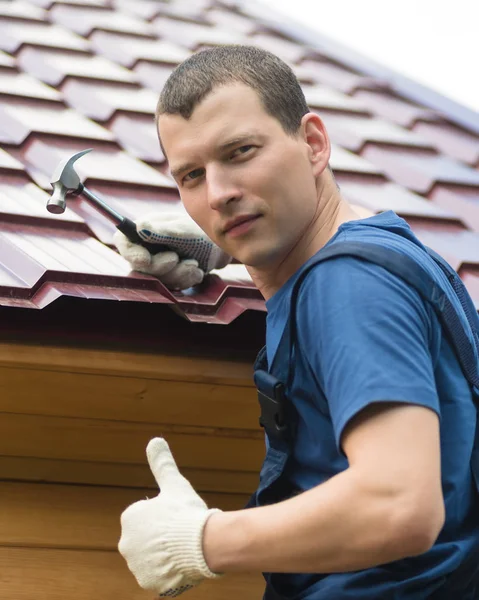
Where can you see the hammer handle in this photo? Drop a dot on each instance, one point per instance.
(128, 228)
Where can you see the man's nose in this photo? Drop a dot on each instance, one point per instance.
(221, 189)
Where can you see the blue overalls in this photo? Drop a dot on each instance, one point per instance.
(278, 413)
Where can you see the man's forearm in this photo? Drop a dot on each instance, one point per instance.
(341, 525)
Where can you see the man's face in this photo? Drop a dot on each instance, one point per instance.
(245, 182)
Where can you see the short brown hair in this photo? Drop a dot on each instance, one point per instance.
(272, 79)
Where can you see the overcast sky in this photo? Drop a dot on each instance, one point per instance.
(435, 42)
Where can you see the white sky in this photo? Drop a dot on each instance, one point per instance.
(434, 42)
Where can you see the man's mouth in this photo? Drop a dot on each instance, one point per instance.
(240, 225)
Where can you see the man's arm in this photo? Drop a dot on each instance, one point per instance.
(387, 505)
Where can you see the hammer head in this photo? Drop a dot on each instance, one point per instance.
(65, 181)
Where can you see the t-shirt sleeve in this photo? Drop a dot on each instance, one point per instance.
(365, 333)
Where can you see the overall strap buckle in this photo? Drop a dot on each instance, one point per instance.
(273, 403)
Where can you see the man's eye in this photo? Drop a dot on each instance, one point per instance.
(193, 175)
(242, 150)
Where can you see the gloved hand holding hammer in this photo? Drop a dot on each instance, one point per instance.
(190, 256)
(169, 246)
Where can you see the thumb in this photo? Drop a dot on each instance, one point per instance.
(162, 464)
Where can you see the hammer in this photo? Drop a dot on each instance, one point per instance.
(65, 181)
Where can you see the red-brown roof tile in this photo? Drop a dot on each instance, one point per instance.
(354, 132)
(54, 67)
(50, 3)
(344, 161)
(339, 78)
(451, 140)
(379, 195)
(21, 119)
(463, 201)
(128, 50)
(137, 134)
(9, 163)
(23, 202)
(77, 74)
(100, 100)
(83, 20)
(7, 62)
(185, 9)
(290, 52)
(325, 98)
(152, 75)
(15, 35)
(146, 9)
(232, 21)
(26, 86)
(387, 105)
(194, 35)
(420, 170)
(104, 164)
(17, 9)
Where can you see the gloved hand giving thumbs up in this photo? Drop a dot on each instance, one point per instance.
(162, 537)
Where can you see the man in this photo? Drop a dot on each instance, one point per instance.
(377, 498)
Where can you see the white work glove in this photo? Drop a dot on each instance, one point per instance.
(192, 252)
(162, 538)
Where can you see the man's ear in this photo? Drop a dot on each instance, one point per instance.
(317, 138)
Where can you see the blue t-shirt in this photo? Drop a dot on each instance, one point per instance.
(364, 336)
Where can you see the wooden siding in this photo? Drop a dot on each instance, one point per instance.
(74, 424)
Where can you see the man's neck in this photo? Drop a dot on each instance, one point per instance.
(332, 212)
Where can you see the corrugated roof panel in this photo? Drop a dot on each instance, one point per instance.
(133, 200)
(420, 170)
(289, 51)
(146, 9)
(464, 201)
(323, 97)
(54, 67)
(14, 35)
(185, 9)
(225, 313)
(232, 21)
(152, 75)
(21, 10)
(128, 50)
(19, 120)
(381, 195)
(353, 132)
(24, 268)
(103, 165)
(100, 100)
(49, 3)
(58, 249)
(339, 78)
(393, 108)
(6, 60)
(83, 20)
(26, 86)
(21, 198)
(192, 35)
(451, 140)
(344, 161)
(8, 162)
(219, 287)
(389, 152)
(138, 136)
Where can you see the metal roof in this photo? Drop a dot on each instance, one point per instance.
(87, 74)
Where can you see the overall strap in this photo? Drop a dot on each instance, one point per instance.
(415, 275)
